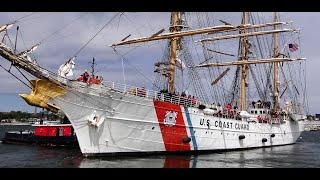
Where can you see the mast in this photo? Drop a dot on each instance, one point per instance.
(15, 42)
(92, 66)
(276, 53)
(244, 58)
(175, 27)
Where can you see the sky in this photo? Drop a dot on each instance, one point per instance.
(64, 33)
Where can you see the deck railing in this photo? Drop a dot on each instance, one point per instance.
(134, 91)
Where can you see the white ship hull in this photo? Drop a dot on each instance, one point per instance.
(131, 123)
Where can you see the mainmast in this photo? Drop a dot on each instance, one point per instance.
(174, 45)
(276, 53)
(244, 58)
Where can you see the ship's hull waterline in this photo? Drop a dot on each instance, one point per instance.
(133, 124)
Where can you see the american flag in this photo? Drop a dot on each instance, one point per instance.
(293, 47)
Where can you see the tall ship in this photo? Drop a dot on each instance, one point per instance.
(250, 96)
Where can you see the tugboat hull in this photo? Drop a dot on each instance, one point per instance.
(45, 135)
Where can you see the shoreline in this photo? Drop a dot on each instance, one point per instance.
(15, 124)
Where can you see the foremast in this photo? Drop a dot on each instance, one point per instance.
(174, 45)
(244, 58)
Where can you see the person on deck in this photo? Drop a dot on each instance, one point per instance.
(220, 110)
(193, 100)
(228, 106)
(259, 104)
(142, 92)
(80, 78)
(98, 80)
(86, 76)
(253, 104)
(92, 80)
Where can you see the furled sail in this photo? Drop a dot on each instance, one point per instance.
(179, 62)
(5, 27)
(25, 54)
(65, 69)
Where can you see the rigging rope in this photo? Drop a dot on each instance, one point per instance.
(19, 19)
(139, 71)
(96, 34)
(25, 46)
(50, 35)
(22, 74)
(15, 76)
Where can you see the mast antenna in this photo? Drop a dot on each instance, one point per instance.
(92, 66)
(15, 42)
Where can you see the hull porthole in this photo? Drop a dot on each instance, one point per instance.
(264, 140)
(201, 106)
(241, 137)
(273, 135)
(186, 140)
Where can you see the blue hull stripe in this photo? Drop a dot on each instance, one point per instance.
(194, 142)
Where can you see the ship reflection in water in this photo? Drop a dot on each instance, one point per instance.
(298, 155)
(220, 160)
(302, 154)
(169, 161)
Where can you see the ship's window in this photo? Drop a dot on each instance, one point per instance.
(256, 112)
(260, 112)
(263, 112)
(252, 112)
(152, 128)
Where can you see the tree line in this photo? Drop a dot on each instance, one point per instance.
(21, 116)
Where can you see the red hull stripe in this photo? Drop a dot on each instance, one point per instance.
(173, 136)
(177, 162)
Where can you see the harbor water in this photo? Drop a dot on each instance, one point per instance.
(303, 154)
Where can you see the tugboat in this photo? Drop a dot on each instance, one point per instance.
(45, 134)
